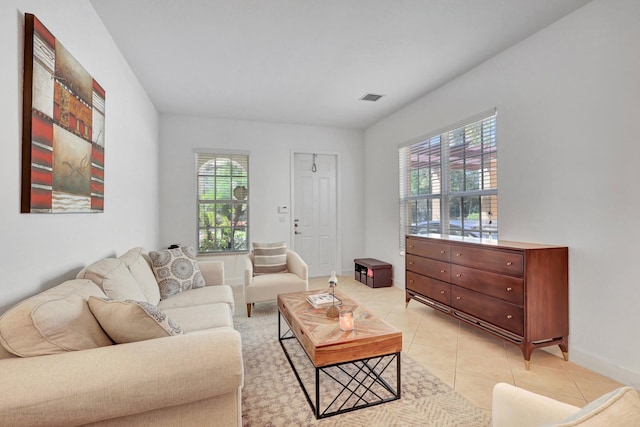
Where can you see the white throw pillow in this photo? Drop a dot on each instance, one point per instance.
(115, 279)
(176, 270)
(54, 321)
(139, 265)
(132, 321)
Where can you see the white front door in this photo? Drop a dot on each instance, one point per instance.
(315, 212)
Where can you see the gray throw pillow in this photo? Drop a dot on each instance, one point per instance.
(176, 270)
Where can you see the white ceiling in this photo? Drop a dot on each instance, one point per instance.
(309, 61)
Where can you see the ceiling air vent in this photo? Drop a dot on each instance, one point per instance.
(371, 97)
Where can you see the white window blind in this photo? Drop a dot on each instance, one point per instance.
(223, 202)
(448, 182)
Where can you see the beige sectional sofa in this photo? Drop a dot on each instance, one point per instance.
(60, 364)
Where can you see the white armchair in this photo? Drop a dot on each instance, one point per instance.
(266, 287)
(513, 406)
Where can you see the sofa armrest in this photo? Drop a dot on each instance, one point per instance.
(212, 272)
(87, 386)
(296, 265)
(248, 270)
(513, 406)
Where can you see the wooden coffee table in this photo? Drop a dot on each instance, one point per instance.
(350, 370)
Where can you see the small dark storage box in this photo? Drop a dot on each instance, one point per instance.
(372, 272)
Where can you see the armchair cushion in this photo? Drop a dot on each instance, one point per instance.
(132, 321)
(269, 258)
(176, 270)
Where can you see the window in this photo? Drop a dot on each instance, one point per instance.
(223, 201)
(448, 182)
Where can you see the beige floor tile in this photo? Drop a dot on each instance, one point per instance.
(477, 389)
(434, 357)
(593, 385)
(543, 379)
(484, 362)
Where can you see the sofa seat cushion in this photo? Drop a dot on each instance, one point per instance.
(264, 287)
(206, 295)
(139, 264)
(54, 321)
(620, 408)
(176, 270)
(201, 317)
(132, 321)
(114, 278)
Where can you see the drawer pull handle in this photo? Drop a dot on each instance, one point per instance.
(458, 298)
(509, 316)
(459, 275)
(411, 281)
(442, 292)
(459, 254)
(509, 263)
(410, 262)
(411, 246)
(443, 271)
(443, 252)
(509, 289)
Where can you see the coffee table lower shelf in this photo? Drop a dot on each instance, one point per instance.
(351, 385)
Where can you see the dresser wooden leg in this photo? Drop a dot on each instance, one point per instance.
(248, 310)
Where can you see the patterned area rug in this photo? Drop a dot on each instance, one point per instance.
(272, 396)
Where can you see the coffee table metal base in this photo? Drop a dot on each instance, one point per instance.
(355, 384)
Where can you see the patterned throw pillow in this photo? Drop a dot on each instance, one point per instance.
(269, 258)
(176, 270)
(132, 321)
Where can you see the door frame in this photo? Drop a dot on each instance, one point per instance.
(293, 152)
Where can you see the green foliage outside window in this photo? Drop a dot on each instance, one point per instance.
(222, 203)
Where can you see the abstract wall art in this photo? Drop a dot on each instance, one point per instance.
(63, 128)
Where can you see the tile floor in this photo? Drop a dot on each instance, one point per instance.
(469, 360)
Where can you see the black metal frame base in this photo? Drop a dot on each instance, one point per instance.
(357, 384)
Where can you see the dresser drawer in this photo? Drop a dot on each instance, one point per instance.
(504, 262)
(430, 288)
(500, 313)
(508, 288)
(429, 249)
(429, 267)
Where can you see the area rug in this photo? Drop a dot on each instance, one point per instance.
(272, 395)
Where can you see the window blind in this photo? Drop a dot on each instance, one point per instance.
(448, 181)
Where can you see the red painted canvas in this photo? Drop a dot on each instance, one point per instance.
(63, 128)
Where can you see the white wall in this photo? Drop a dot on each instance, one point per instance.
(42, 250)
(568, 101)
(270, 146)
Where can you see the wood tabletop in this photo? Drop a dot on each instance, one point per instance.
(323, 340)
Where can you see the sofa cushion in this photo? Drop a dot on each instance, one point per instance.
(139, 265)
(132, 321)
(200, 296)
(114, 278)
(620, 408)
(201, 317)
(176, 270)
(54, 321)
(269, 258)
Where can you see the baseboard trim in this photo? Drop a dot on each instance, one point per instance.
(605, 367)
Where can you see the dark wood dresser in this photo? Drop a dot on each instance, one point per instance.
(516, 291)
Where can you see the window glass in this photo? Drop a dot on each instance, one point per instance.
(448, 182)
(223, 202)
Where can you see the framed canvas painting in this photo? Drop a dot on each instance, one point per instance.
(63, 128)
